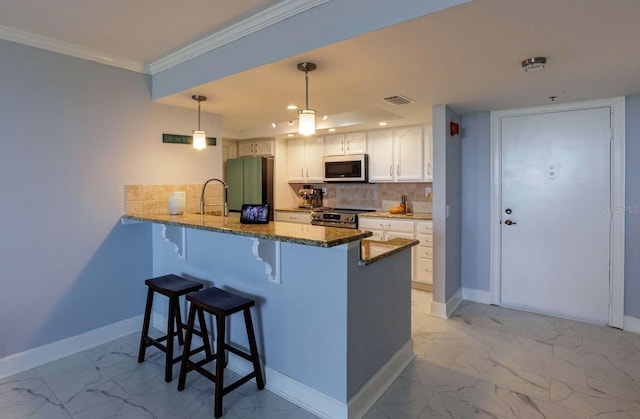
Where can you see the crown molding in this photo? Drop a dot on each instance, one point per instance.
(50, 44)
(268, 17)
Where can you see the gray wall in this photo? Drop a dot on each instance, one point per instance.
(447, 190)
(476, 200)
(476, 149)
(73, 134)
(632, 218)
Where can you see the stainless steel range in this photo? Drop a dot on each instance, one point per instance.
(337, 217)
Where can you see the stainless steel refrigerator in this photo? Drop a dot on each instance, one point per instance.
(250, 181)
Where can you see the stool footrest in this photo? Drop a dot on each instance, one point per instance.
(238, 352)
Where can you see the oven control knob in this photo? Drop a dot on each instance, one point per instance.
(349, 217)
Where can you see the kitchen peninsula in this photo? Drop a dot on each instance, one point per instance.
(333, 310)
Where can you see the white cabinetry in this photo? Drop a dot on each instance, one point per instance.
(345, 144)
(423, 266)
(421, 255)
(256, 147)
(293, 217)
(304, 157)
(427, 133)
(396, 155)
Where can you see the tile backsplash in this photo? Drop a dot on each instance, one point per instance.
(153, 199)
(379, 196)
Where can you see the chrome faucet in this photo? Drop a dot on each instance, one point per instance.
(226, 204)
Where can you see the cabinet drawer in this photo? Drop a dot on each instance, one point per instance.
(293, 217)
(425, 240)
(424, 271)
(425, 252)
(424, 227)
(385, 224)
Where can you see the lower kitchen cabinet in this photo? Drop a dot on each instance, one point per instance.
(421, 255)
(293, 217)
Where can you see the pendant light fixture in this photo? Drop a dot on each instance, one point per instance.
(199, 137)
(306, 116)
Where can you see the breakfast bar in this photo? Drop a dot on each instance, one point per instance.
(332, 313)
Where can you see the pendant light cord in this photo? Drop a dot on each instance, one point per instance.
(198, 115)
(306, 90)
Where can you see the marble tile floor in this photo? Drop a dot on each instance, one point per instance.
(484, 362)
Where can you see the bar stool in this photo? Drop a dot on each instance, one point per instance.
(171, 286)
(221, 304)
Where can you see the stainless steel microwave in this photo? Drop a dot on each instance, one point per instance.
(353, 168)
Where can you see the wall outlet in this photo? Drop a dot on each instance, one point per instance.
(324, 191)
(427, 190)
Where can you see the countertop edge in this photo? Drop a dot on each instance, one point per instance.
(361, 234)
(396, 245)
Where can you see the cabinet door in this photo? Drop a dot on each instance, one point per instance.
(314, 152)
(427, 132)
(380, 150)
(334, 145)
(263, 147)
(409, 154)
(355, 143)
(295, 160)
(245, 148)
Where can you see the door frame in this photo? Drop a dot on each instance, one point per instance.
(616, 239)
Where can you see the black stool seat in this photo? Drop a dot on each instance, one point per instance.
(221, 304)
(173, 287)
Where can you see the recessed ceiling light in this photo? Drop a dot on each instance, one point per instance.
(324, 117)
(382, 124)
(291, 123)
(292, 107)
(332, 129)
(273, 124)
(289, 135)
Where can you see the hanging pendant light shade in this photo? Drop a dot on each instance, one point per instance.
(199, 136)
(306, 116)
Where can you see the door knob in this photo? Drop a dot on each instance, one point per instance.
(509, 222)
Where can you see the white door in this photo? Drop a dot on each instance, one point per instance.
(555, 220)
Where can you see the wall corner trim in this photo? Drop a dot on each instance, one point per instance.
(445, 310)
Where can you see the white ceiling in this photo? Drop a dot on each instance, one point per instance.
(467, 56)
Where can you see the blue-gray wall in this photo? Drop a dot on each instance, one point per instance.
(447, 192)
(476, 200)
(476, 183)
(632, 198)
(73, 133)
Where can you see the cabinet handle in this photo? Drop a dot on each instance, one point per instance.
(254, 148)
(391, 170)
(398, 170)
(429, 168)
(307, 172)
(342, 145)
(347, 145)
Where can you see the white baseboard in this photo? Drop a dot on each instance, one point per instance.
(323, 405)
(478, 296)
(445, 310)
(53, 351)
(632, 324)
(380, 382)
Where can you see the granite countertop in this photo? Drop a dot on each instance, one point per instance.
(305, 234)
(373, 250)
(410, 216)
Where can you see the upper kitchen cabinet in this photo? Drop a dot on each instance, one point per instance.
(256, 147)
(304, 157)
(345, 144)
(427, 132)
(396, 155)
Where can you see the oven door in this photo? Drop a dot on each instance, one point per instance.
(346, 168)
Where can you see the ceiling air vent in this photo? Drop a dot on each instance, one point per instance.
(398, 100)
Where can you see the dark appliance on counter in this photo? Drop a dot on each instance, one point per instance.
(352, 168)
(337, 217)
(250, 182)
(311, 197)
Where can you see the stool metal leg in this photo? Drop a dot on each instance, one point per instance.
(220, 357)
(145, 326)
(187, 348)
(254, 349)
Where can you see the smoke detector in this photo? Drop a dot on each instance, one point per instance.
(534, 63)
